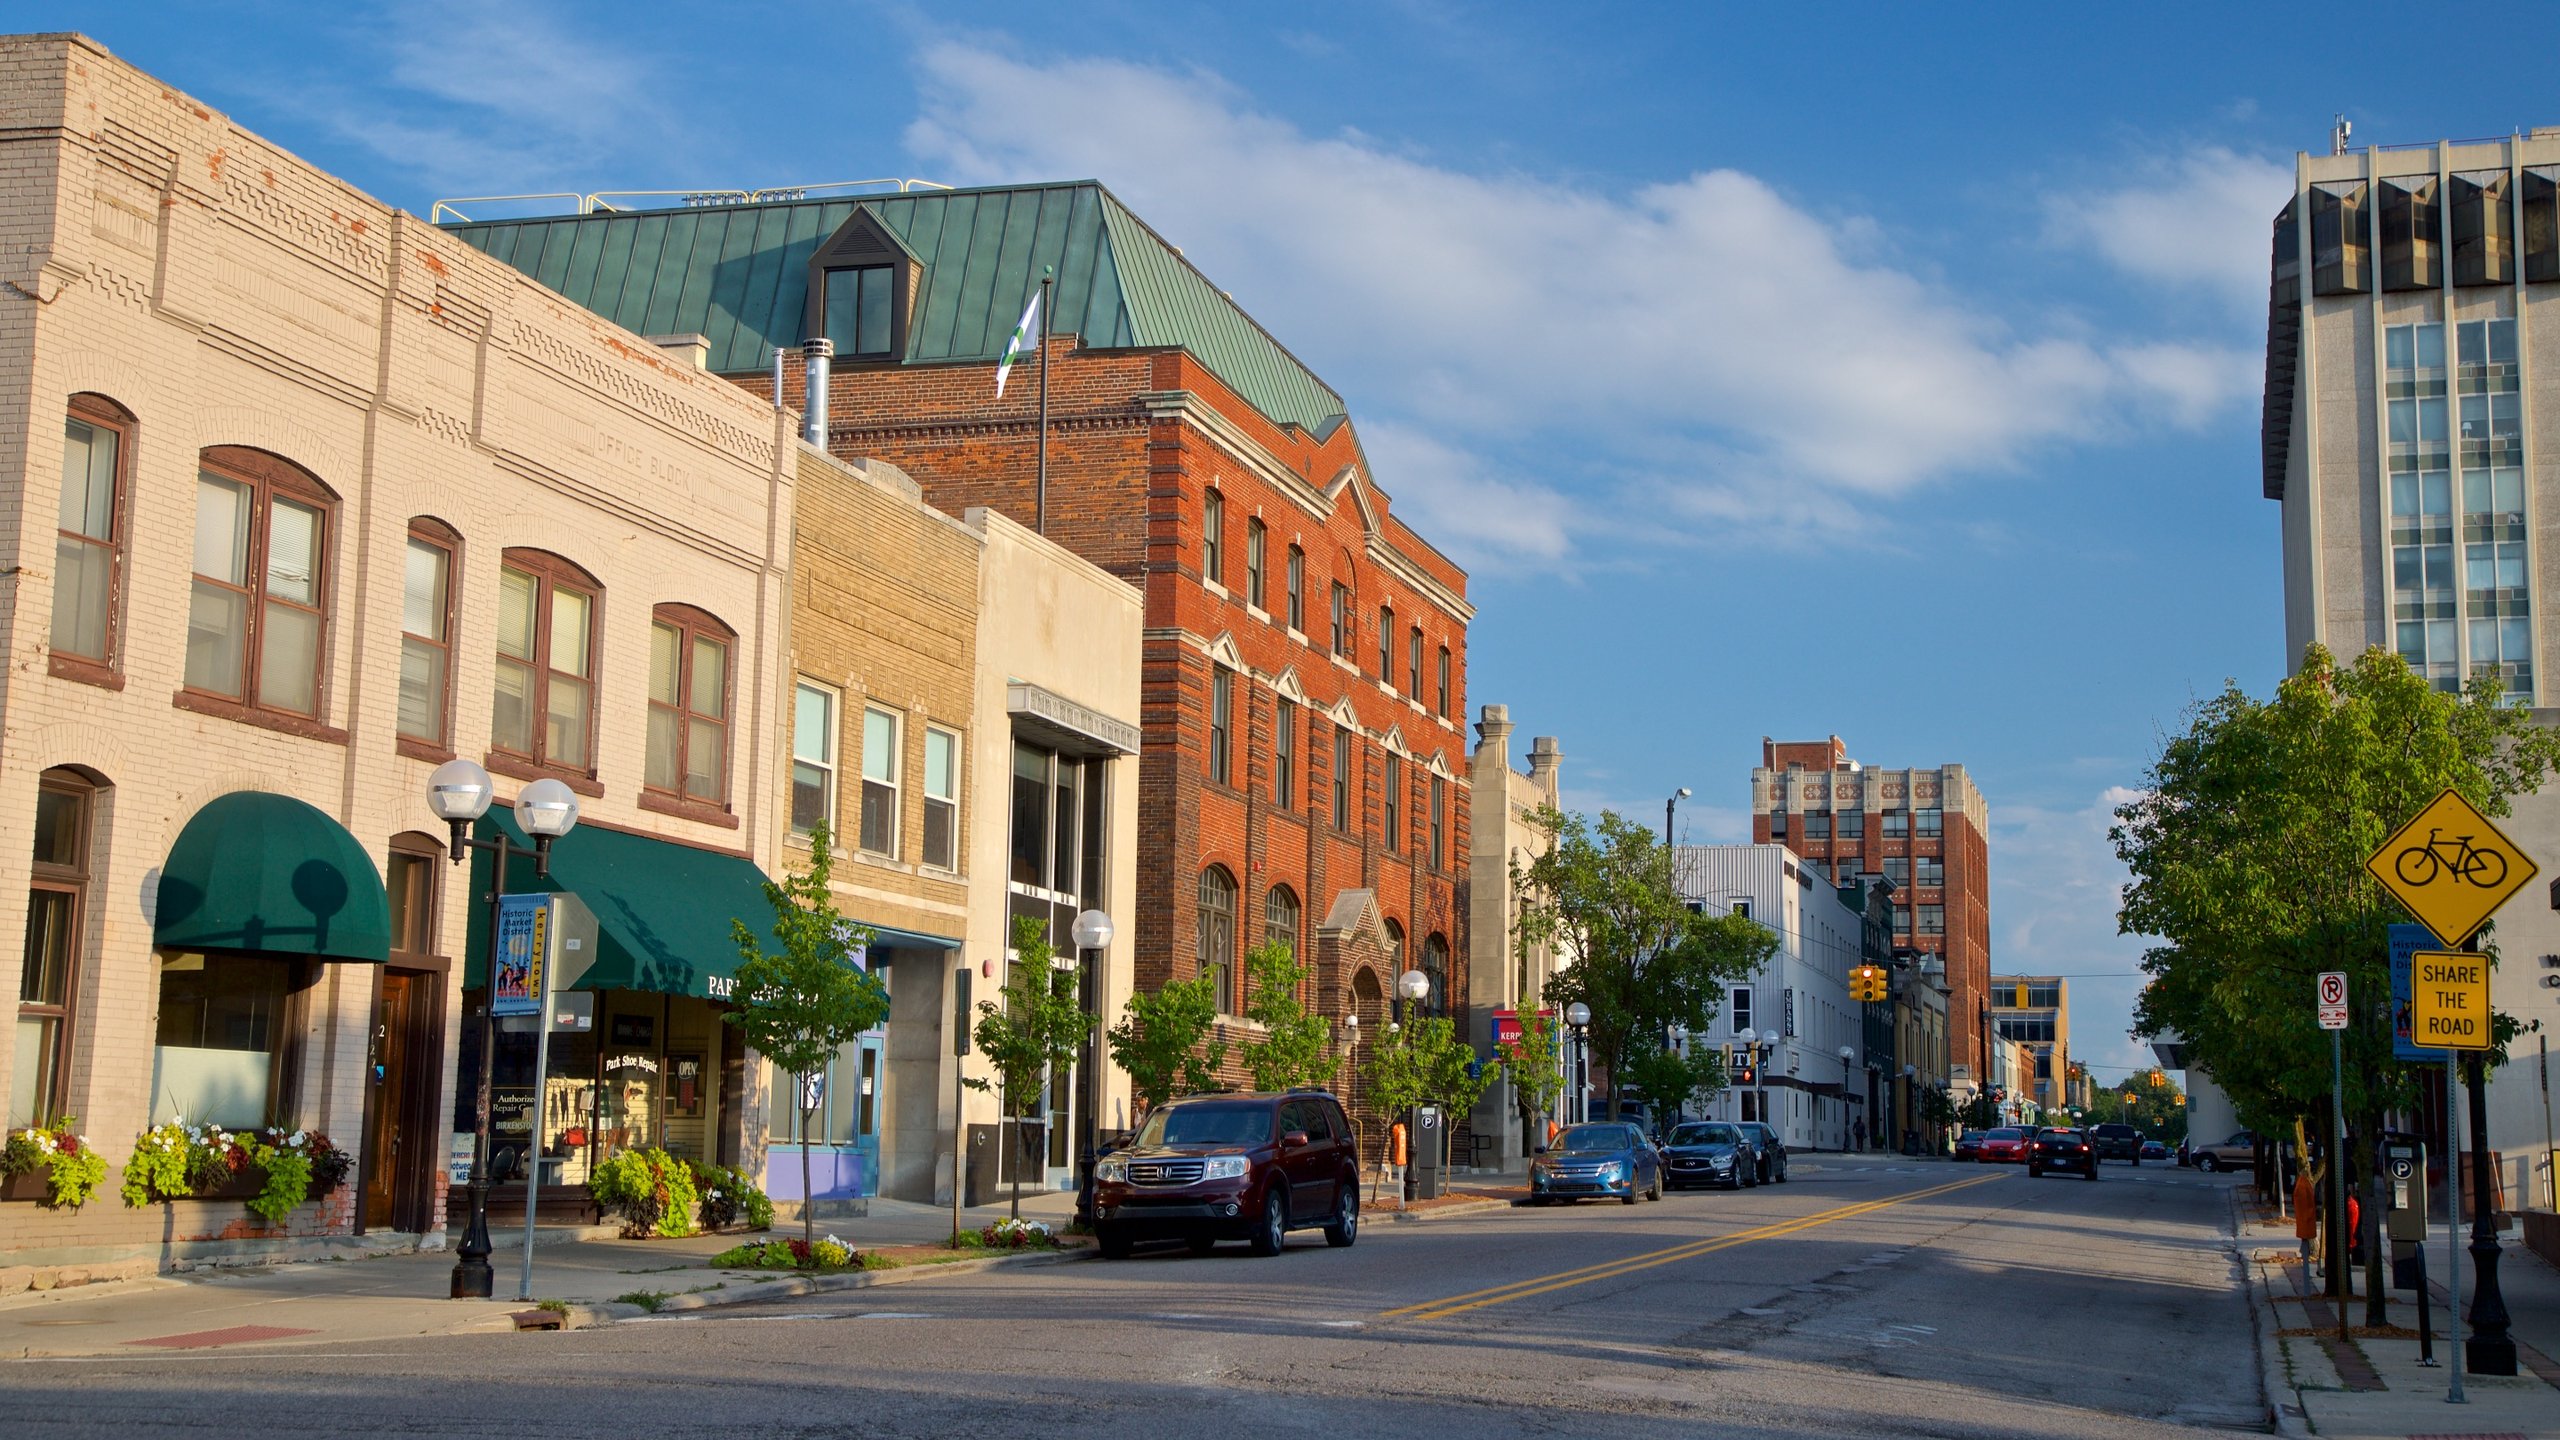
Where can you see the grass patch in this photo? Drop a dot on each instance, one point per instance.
(827, 1257)
(556, 1307)
(648, 1300)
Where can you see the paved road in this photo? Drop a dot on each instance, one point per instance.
(1862, 1298)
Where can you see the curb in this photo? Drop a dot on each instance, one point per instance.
(1442, 1212)
(584, 1316)
(2284, 1419)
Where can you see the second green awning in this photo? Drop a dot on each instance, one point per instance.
(663, 910)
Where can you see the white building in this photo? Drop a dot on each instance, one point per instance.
(1797, 1007)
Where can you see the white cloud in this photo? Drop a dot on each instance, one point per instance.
(2055, 886)
(1507, 308)
(2202, 222)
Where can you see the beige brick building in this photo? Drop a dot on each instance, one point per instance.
(336, 498)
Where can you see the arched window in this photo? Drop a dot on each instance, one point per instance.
(545, 709)
(689, 705)
(1213, 537)
(427, 600)
(1435, 968)
(1297, 589)
(1218, 935)
(257, 610)
(89, 543)
(1395, 951)
(1280, 917)
(57, 906)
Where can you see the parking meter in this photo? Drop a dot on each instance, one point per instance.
(2404, 1174)
(1428, 1176)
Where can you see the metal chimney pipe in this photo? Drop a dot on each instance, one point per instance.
(813, 407)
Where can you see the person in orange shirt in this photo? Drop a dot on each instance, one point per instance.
(2306, 1207)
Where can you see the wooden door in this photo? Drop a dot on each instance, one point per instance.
(386, 1096)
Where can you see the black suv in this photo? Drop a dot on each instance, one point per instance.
(2117, 1142)
(1231, 1167)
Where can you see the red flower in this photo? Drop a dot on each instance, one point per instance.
(70, 1144)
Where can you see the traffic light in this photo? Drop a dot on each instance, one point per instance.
(2158, 1079)
(1868, 983)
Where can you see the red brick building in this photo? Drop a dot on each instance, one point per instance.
(1303, 769)
(1922, 829)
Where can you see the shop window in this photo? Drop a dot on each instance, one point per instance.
(1213, 537)
(689, 705)
(89, 538)
(880, 771)
(1284, 755)
(49, 985)
(1280, 917)
(220, 1055)
(813, 758)
(1217, 935)
(544, 712)
(259, 597)
(1257, 541)
(426, 635)
(941, 798)
(1298, 590)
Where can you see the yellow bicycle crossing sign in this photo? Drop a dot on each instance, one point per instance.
(2451, 867)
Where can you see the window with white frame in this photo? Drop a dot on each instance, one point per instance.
(1738, 1005)
(880, 770)
(941, 798)
(813, 758)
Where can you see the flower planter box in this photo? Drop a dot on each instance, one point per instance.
(33, 1185)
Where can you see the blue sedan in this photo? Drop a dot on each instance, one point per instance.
(1604, 1159)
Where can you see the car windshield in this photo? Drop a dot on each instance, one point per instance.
(1210, 1124)
(1706, 1135)
(1592, 1140)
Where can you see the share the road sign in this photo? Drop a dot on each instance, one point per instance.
(2449, 1000)
(2451, 867)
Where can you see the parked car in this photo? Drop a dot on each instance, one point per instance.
(1968, 1146)
(2238, 1152)
(1771, 1150)
(2154, 1150)
(1709, 1152)
(1603, 1158)
(2117, 1142)
(1231, 1167)
(2003, 1145)
(2054, 1148)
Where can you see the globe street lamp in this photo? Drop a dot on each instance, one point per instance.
(1091, 932)
(459, 792)
(1667, 806)
(1578, 1015)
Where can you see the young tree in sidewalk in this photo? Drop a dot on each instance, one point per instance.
(2247, 848)
(1534, 1061)
(1669, 1080)
(1296, 1048)
(1423, 1060)
(800, 1006)
(1643, 960)
(1032, 1035)
(1164, 1042)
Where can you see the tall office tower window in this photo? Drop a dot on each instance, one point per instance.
(2496, 597)
(2419, 454)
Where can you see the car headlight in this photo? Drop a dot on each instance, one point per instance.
(1226, 1167)
(1720, 1162)
(1113, 1170)
(1614, 1170)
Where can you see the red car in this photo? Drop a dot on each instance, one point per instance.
(2005, 1145)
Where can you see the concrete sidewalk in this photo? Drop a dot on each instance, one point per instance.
(2372, 1384)
(397, 1296)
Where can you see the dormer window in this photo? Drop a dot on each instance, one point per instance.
(858, 310)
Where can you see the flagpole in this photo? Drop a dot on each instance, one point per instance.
(1040, 503)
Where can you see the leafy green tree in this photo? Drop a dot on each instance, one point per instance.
(799, 1006)
(1165, 1041)
(1534, 1061)
(2155, 1110)
(1296, 1048)
(1937, 1111)
(1033, 1034)
(1669, 1080)
(1980, 1113)
(2247, 849)
(1643, 961)
(1423, 1059)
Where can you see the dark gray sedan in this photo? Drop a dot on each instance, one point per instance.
(1606, 1159)
(1709, 1152)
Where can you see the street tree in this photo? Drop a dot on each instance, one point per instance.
(1669, 1080)
(1534, 1061)
(1166, 1042)
(1032, 1035)
(1644, 962)
(1296, 1048)
(2155, 1109)
(801, 1004)
(1423, 1059)
(2247, 848)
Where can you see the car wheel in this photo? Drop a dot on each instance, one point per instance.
(2207, 1164)
(1112, 1242)
(1273, 1232)
(1345, 1228)
(1655, 1194)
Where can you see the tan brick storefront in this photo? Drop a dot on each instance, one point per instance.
(216, 323)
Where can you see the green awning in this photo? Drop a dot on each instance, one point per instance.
(662, 910)
(257, 871)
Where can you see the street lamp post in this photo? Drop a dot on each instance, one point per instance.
(1578, 1015)
(459, 793)
(1091, 933)
(1848, 1062)
(1667, 806)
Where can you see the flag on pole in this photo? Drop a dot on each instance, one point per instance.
(1026, 336)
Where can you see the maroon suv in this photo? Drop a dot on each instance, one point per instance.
(1231, 1167)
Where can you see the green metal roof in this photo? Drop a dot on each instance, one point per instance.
(738, 274)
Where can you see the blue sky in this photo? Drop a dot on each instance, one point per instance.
(1876, 374)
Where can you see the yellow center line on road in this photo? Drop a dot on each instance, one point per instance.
(1610, 1270)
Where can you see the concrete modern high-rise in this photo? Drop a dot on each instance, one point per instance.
(1922, 829)
(2412, 397)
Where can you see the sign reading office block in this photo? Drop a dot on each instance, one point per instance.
(2449, 1000)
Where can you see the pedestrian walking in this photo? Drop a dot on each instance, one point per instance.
(1858, 1131)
